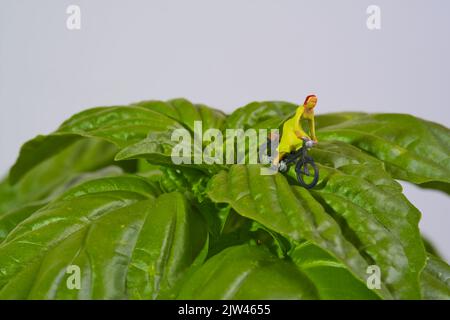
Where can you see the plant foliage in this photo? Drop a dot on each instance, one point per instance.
(102, 193)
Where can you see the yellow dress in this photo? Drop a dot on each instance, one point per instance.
(289, 140)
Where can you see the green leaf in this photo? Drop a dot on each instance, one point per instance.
(435, 279)
(334, 118)
(247, 272)
(96, 226)
(430, 247)
(35, 254)
(373, 212)
(85, 159)
(412, 149)
(285, 209)
(355, 220)
(172, 231)
(121, 125)
(331, 278)
(12, 218)
(157, 149)
(7, 196)
(188, 181)
(170, 241)
(211, 118)
(186, 112)
(267, 114)
(36, 151)
(129, 183)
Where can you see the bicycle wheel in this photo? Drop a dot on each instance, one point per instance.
(307, 173)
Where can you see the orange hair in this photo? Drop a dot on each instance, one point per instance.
(309, 97)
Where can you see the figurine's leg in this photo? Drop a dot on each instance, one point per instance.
(288, 143)
(278, 157)
(284, 147)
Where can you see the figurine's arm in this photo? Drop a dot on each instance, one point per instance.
(297, 127)
(312, 128)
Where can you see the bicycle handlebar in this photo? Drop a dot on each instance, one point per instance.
(308, 143)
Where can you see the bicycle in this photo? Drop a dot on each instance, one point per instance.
(305, 167)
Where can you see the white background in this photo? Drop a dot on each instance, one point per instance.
(225, 54)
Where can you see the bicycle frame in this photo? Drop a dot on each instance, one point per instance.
(292, 157)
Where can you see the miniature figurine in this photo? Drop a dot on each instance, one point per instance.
(293, 134)
(295, 143)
